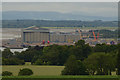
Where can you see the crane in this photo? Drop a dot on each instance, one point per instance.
(80, 33)
(95, 36)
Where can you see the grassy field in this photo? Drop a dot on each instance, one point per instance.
(38, 70)
(69, 76)
(61, 78)
(49, 73)
(110, 28)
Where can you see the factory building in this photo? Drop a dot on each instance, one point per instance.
(64, 37)
(37, 35)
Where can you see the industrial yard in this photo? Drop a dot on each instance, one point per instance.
(31, 36)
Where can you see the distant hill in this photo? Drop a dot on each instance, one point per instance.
(14, 15)
(60, 23)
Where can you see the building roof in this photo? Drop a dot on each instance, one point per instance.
(34, 29)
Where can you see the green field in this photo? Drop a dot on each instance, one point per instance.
(38, 70)
(49, 73)
(62, 78)
(81, 76)
(110, 28)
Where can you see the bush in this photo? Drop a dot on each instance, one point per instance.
(7, 73)
(41, 62)
(25, 72)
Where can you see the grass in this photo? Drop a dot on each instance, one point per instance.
(81, 28)
(37, 70)
(50, 73)
(69, 76)
(61, 78)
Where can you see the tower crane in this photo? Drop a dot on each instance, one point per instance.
(95, 35)
(80, 34)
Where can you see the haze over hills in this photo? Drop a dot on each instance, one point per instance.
(14, 15)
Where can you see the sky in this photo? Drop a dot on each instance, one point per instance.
(105, 9)
(60, 0)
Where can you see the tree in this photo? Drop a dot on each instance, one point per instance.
(27, 55)
(7, 53)
(12, 61)
(100, 62)
(105, 48)
(77, 51)
(100, 47)
(6, 73)
(55, 54)
(25, 72)
(64, 53)
(74, 67)
(80, 42)
(91, 63)
(39, 62)
(51, 53)
(118, 60)
(86, 50)
(81, 50)
(30, 55)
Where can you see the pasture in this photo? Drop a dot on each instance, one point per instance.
(37, 70)
(50, 73)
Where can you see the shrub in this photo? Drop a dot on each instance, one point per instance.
(7, 73)
(25, 72)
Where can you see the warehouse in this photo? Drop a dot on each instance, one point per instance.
(64, 37)
(35, 34)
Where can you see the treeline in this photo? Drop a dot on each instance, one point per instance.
(78, 59)
(107, 33)
(62, 23)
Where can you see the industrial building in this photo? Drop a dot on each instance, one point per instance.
(64, 37)
(36, 35)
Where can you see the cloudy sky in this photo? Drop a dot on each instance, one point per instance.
(108, 9)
